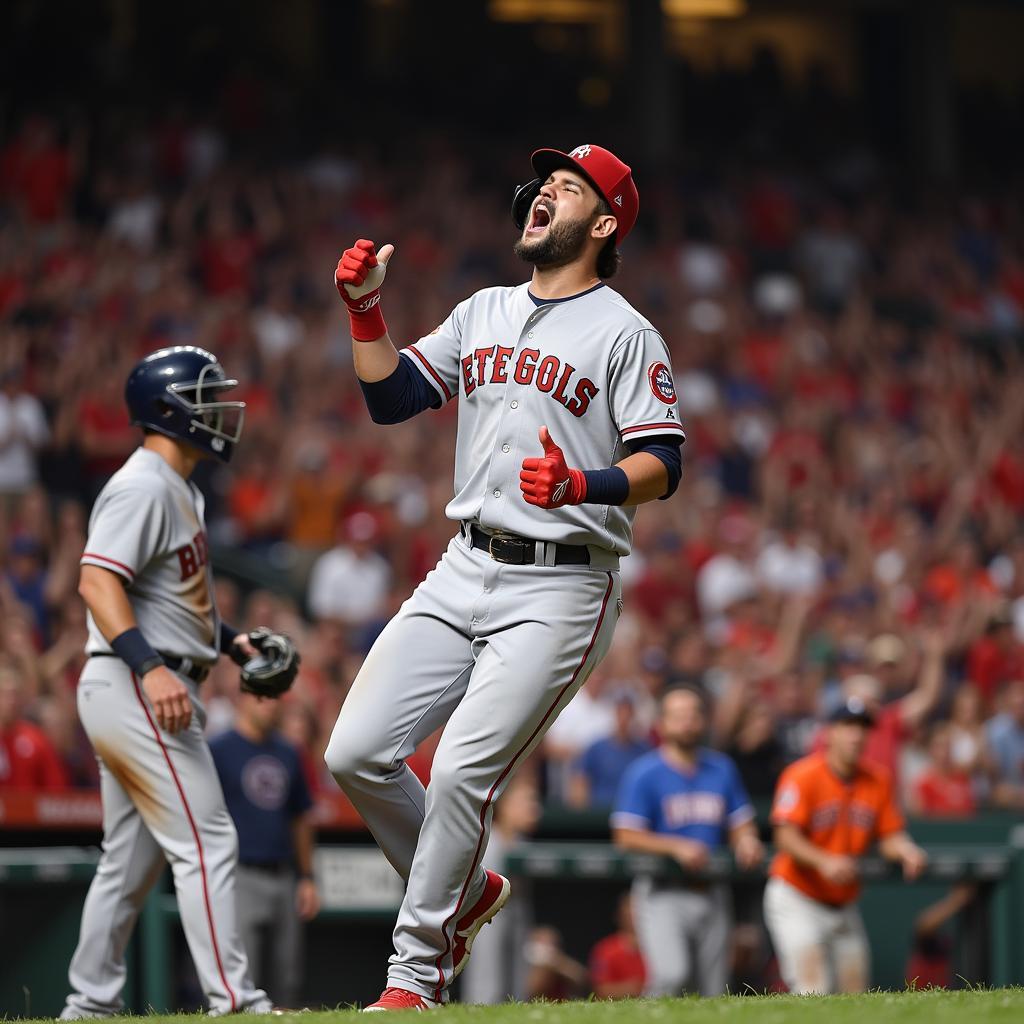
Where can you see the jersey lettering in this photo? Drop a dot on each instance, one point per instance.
(527, 366)
(586, 389)
(548, 374)
(499, 374)
(192, 557)
(469, 384)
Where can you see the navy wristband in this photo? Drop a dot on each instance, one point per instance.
(227, 638)
(606, 486)
(134, 650)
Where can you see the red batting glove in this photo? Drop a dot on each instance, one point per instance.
(358, 278)
(549, 482)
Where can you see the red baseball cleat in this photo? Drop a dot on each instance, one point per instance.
(400, 999)
(497, 890)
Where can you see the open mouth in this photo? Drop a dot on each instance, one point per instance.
(540, 220)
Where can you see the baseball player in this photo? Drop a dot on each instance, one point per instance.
(567, 420)
(154, 632)
(829, 808)
(684, 801)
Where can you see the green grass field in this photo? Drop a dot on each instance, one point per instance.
(929, 1007)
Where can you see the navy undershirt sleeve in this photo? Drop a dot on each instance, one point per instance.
(401, 396)
(665, 448)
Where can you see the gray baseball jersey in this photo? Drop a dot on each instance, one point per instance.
(162, 800)
(500, 649)
(147, 526)
(590, 367)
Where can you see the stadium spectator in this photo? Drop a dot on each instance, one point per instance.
(1006, 741)
(553, 975)
(617, 968)
(350, 583)
(268, 800)
(684, 801)
(892, 723)
(943, 789)
(28, 760)
(23, 427)
(930, 964)
(828, 810)
(598, 772)
(968, 745)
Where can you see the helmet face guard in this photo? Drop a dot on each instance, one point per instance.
(178, 392)
(222, 422)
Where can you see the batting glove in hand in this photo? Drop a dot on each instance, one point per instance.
(272, 672)
(549, 482)
(358, 277)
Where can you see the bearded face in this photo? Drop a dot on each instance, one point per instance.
(559, 243)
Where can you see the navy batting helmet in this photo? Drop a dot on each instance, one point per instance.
(176, 391)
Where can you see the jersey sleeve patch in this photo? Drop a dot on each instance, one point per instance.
(659, 376)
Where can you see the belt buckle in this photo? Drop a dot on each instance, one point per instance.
(491, 538)
(500, 538)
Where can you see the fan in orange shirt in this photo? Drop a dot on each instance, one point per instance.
(829, 809)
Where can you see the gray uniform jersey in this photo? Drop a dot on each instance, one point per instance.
(147, 526)
(590, 367)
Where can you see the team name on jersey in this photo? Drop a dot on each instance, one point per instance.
(548, 374)
(193, 557)
(828, 815)
(680, 809)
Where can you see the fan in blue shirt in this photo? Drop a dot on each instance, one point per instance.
(600, 768)
(684, 801)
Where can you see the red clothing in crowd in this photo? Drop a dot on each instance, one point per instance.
(945, 795)
(616, 959)
(989, 664)
(40, 178)
(28, 760)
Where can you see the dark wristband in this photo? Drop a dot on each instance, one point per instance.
(606, 486)
(227, 637)
(134, 650)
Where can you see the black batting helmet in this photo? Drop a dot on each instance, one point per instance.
(176, 391)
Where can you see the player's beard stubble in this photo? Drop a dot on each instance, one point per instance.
(561, 245)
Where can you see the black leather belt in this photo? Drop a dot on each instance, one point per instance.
(185, 666)
(516, 550)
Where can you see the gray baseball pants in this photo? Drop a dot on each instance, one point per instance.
(492, 652)
(271, 931)
(684, 937)
(162, 803)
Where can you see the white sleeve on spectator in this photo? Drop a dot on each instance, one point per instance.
(643, 395)
(436, 356)
(32, 421)
(128, 527)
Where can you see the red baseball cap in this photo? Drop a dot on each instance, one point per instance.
(605, 171)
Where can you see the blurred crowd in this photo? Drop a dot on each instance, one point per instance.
(848, 361)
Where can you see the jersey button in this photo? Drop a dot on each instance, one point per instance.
(497, 493)
(515, 405)
(506, 448)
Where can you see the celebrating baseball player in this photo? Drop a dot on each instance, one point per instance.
(829, 808)
(154, 632)
(567, 421)
(684, 801)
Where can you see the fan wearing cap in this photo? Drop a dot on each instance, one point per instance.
(567, 421)
(829, 809)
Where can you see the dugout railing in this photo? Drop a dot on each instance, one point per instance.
(572, 884)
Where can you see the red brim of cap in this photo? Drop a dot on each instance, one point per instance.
(547, 161)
